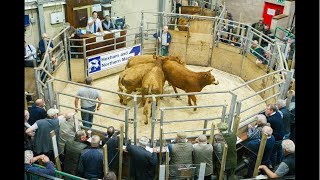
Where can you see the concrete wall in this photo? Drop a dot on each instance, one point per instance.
(60, 73)
(132, 11)
(32, 33)
(29, 83)
(251, 10)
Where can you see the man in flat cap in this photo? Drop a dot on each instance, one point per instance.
(180, 153)
(231, 161)
(258, 26)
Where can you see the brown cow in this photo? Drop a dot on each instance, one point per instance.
(182, 21)
(196, 10)
(181, 77)
(143, 59)
(140, 59)
(131, 79)
(152, 83)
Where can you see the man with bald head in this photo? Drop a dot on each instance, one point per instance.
(254, 145)
(37, 111)
(91, 160)
(67, 131)
(42, 42)
(202, 153)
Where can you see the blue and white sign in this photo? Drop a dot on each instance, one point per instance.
(112, 59)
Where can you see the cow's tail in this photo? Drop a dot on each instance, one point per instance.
(147, 92)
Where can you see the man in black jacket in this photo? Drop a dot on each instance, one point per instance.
(72, 151)
(275, 120)
(37, 111)
(142, 161)
(91, 160)
(113, 145)
(286, 116)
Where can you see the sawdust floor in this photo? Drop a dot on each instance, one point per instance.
(226, 81)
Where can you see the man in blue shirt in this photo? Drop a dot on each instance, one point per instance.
(29, 159)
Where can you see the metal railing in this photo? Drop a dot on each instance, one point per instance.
(126, 109)
(219, 21)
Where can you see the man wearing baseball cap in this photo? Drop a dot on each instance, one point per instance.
(231, 160)
(42, 128)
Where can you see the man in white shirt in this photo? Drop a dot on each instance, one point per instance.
(94, 24)
(30, 54)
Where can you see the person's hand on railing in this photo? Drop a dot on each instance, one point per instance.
(44, 159)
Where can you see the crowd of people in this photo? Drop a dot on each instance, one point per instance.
(81, 154)
(278, 123)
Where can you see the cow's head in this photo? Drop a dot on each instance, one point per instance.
(209, 75)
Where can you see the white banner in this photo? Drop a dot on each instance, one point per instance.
(112, 59)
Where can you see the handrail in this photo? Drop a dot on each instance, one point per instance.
(190, 107)
(79, 84)
(113, 105)
(253, 80)
(62, 173)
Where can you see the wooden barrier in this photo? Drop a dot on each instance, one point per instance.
(55, 149)
(105, 159)
(260, 154)
(120, 152)
(223, 161)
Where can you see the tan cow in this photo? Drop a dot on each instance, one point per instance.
(131, 79)
(152, 83)
(182, 22)
(140, 59)
(181, 77)
(143, 59)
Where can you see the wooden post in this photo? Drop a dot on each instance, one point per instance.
(55, 149)
(120, 152)
(211, 140)
(260, 154)
(25, 102)
(167, 165)
(105, 159)
(240, 20)
(161, 144)
(223, 161)
(236, 123)
(205, 125)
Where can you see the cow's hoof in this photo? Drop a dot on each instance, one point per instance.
(194, 109)
(161, 98)
(146, 123)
